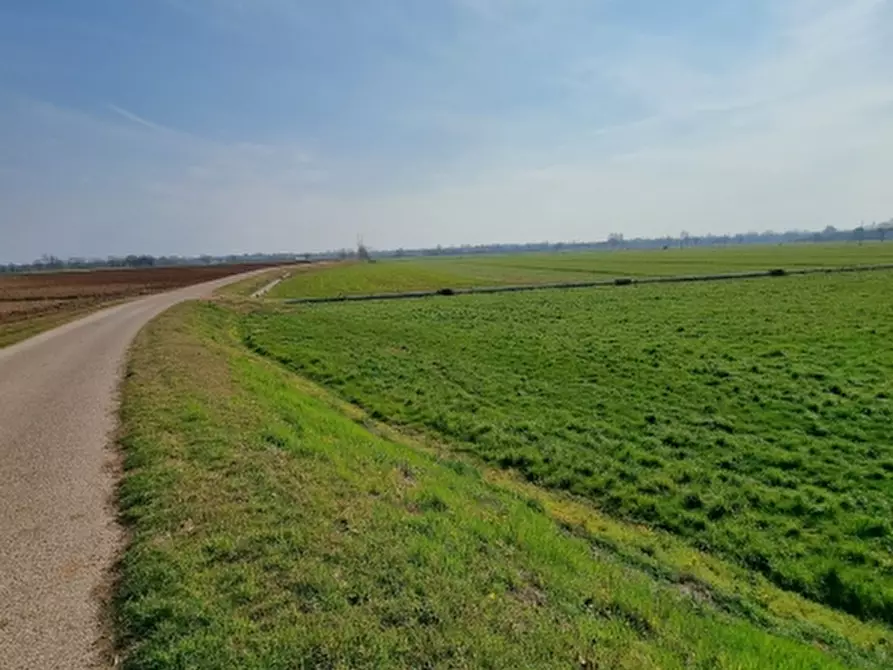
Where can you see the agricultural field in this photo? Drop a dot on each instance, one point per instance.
(431, 274)
(751, 418)
(274, 526)
(692, 475)
(34, 302)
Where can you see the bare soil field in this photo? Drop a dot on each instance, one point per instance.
(31, 303)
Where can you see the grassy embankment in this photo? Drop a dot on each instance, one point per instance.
(277, 527)
(537, 268)
(751, 418)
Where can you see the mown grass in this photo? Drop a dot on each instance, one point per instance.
(750, 418)
(272, 530)
(535, 268)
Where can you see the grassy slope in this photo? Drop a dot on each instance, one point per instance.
(532, 268)
(271, 530)
(751, 418)
(246, 287)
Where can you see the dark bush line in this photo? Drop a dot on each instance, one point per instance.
(619, 281)
(836, 589)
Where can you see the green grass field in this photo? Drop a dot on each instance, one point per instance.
(658, 476)
(275, 527)
(751, 418)
(533, 268)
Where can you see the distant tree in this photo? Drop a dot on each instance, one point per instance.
(684, 238)
(615, 240)
(50, 262)
(859, 234)
(134, 261)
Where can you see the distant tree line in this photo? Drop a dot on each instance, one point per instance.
(50, 263)
(865, 233)
(873, 232)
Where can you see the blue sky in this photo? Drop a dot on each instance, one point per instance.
(190, 126)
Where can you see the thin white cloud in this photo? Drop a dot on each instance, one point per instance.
(85, 185)
(648, 137)
(798, 135)
(130, 116)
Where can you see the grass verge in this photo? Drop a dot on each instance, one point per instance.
(272, 530)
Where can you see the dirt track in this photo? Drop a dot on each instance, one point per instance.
(58, 530)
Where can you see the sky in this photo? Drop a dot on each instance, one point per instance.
(229, 126)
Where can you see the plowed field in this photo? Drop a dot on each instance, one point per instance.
(30, 303)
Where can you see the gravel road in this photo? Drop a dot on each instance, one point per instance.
(58, 531)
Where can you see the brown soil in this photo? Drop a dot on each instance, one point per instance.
(42, 295)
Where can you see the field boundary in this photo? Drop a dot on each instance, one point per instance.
(617, 281)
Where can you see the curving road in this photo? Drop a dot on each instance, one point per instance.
(58, 530)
